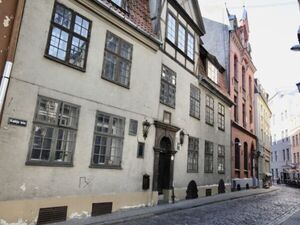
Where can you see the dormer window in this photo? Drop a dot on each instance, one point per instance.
(212, 72)
(120, 3)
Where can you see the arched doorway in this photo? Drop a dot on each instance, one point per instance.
(164, 165)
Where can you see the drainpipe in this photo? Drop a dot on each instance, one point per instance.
(4, 83)
(11, 53)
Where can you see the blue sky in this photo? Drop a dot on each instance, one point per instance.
(273, 30)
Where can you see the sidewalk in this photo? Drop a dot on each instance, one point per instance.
(132, 214)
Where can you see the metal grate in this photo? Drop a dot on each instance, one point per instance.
(52, 214)
(101, 208)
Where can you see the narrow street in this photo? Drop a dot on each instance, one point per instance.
(272, 208)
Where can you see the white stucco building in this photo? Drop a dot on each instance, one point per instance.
(86, 78)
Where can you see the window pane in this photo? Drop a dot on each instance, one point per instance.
(190, 46)
(102, 123)
(112, 43)
(42, 140)
(126, 50)
(117, 127)
(58, 43)
(65, 145)
(81, 26)
(78, 52)
(69, 116)
(181, 38)
(47, 111)
(171, 28)
(116, 149)
(62, 16)
(124, 72)
(110, 66)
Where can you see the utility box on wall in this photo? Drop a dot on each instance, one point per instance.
(146, 182)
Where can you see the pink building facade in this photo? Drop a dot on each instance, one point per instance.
(241, 90)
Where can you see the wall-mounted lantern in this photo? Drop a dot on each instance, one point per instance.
(181, 137)
(146, 126)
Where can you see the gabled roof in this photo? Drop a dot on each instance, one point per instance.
(198, 26)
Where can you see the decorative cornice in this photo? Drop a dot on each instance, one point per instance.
(214, 89)
(236, 125)
(165, 126)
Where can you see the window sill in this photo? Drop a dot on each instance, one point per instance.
(173, 107)
(115, 82)
(221, 129)
(94, 166)
(192, 171)
(208, 172)
(50, 164)
(65, 63)
(221, 172)
(210, 124)
(195, 117)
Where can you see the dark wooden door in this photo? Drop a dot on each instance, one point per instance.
(164, 165)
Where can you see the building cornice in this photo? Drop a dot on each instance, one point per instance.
(214, 89)
(236, 125)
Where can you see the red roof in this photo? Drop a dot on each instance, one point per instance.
(136, 12)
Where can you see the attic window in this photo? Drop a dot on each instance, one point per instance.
(121, 4)
(212, 72)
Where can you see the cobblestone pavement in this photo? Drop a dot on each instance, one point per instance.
(268, 209)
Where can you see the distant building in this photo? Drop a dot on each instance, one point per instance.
(263, 116)
(233, 50)
(285, 107)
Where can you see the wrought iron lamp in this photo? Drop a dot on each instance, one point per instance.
(146, 126)
(181, 137)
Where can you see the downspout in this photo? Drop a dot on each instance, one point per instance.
(11, 54)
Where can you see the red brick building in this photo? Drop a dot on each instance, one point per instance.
(241, 79)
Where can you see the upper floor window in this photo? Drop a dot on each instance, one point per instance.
(190, 46)
(209, 114)
(244, 78)
(193, 149)
(177, 34)
(181, 37)
(195, 102)
(235, 69)
(54, 133)
(117, 60)
(212, 72)
(168, 87)
(221, 116)
(68, 37)
(108, 140)
(171, 28)
(120, 3)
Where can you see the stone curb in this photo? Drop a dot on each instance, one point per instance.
(140, 213)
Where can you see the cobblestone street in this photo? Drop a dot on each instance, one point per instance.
(272, 208)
